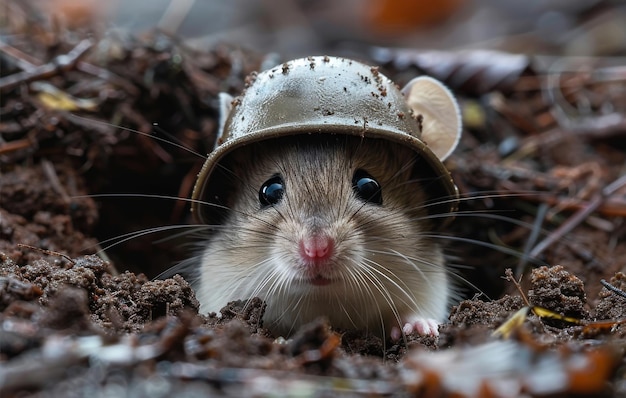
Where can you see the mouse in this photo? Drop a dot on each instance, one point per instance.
(328, 227)
(324, 196)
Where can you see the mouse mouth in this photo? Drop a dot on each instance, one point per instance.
(319, 280)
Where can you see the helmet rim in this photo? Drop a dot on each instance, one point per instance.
(321, 95)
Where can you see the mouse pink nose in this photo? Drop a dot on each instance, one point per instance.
(316, 248)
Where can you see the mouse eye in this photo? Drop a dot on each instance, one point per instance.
(366, 187)
(271, 191)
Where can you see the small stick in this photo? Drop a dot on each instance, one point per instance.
(613, 207)
(24, 61)
(579, 217)
(612, 288)
(62, 63)
(48, 252)
(15, 146)
(51, 174)
(108, 76)
(532, 239)
(28, 64)
(509, 277)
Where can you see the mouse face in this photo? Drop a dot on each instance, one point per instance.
(331, 226)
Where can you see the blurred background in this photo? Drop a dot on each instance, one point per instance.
(304, 27)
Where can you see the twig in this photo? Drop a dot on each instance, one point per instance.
(15, 146)
(62, 63)
(509, 277)
(48, 252)
(613, 207)
(612, 288)
(53, 178)
(23, 61)
(579, 217)
(532, 239)
(108, 76)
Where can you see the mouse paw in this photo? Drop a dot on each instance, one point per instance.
(419, 326)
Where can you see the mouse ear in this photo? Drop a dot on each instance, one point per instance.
(225, 106)
(441, 126)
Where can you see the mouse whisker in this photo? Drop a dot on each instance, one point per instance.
(397, 219)
(450, 273)
(499, 248)
(136, 234)
(405, 289)
(167, 197)
(264, 275)
(280, 292)
(484, 214)
(134, 131)
(345, 311)
(396, 254)
(364, 293)
(186, 268)
(368, 297)
(496, 194)
(241, 279)
(488, 214)
(370, 272)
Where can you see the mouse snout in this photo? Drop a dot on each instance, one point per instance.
(316, 248)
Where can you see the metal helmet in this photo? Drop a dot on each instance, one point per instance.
(321, 95)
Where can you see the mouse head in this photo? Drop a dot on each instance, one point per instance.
(329, 95)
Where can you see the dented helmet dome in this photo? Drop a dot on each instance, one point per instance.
(320, 95)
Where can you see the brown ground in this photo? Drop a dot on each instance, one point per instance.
(73, 324)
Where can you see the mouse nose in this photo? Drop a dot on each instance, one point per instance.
(316, 248)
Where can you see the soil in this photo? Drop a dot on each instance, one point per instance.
(80, 317)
